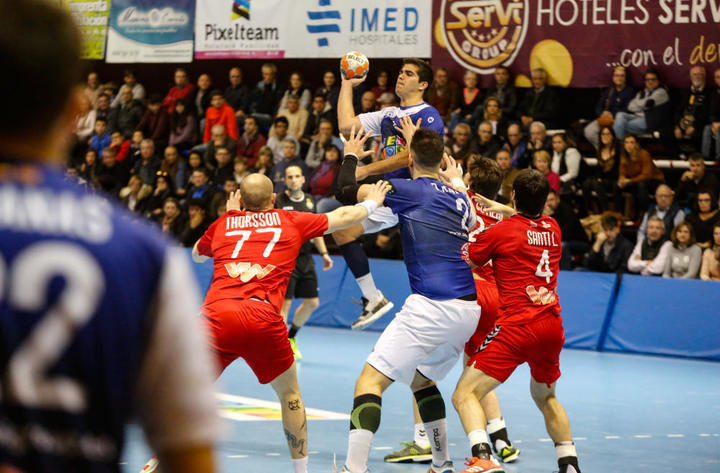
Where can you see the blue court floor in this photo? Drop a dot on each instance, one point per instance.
(628, 413)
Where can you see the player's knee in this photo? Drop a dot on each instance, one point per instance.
(312, 303)
(460, 397)
(431, 405)
(366, 412)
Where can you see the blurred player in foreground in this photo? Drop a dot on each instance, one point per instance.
(98, 315)
(254, 252)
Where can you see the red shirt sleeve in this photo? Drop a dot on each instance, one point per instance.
(204, 244)
(310, 225)
(482, 250)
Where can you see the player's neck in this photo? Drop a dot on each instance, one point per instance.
(295, 195)
(531, 217)
(418, 173)
(412, 99)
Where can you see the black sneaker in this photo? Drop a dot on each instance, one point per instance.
(371, 312)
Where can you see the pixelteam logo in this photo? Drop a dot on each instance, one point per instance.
(482, 34)
(240, 9)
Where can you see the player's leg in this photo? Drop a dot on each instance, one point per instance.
(557, 425)
(293, 417)
(431, 408)
(417, 450)
(497, 430)
(306, 288)
(302, 314)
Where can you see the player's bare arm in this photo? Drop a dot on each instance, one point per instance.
(319, 243)
(346, 112)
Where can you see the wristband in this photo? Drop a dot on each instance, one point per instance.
(456, 182)
(370, 205)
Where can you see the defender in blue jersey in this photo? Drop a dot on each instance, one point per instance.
(98, 317)
(426, 338)
(414, 78)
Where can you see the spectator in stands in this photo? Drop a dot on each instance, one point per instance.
(92, 88)
(296, 87)
(147, 164)
(704, 218)
(265, 97)
(126, 116)
(487, 144)
(225, 166)
(613, 99)
(183, 126)
(316, 115)
(265, 162)
(182, 89)
(388, 99)
(240, 169)
(325, 138)
(574, 238)
(111, 173)
(102, 110)
(646, 111)
(711, 132)
(611, 250)
(237, 95)
(135, 141)
(85, 123)
(666, 208)
(322, 182)
(509, 172)
(220, 113)
(461, 145)
(330, 90)
(516, 145)
(492, 113)
(172, 220)
(381, 84)
(603, 176)
(155, 122)
(541, 162)
(89, 166)
(469, 99)
(197, 223)
(227, 188)
(540, 103)
(200, 98)
(693, 112)
(297, 117)
(218, 138)
(505, 92)
(109, 90)
(443, 93)
(194, 161)
(134, 194)
(567, 163)
(130, 80)
(538, 140)
(368, 102)
(101, 139)
(637, 176)
(651, 253)
(685, 256)
(200, 186)
(710, 270)
(173, 167)
(163, 189)
(290, 157)
(278, 134)
(694, 179)
(250, 142)
(121, 146)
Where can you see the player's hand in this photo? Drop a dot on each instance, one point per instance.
(355, 81)
(327, 262)
(451, 169)
(408, 128)
(377, 191)
(356, 142)
(493, 206)
(233, 202)
(601, 238)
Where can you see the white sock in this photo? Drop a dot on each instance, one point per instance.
(437, 435)
(367, 286)
(478, 436)
(359, 442)
(565, 449)
(420, 437)
(493, 426)
(300, 465)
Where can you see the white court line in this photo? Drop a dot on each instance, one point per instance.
(451, 444)
(272, 454)
(704, 435)
(579, 438)
(612, 437)
(329, 415)
(642, 436)
(676, 435)
(237, 456)
(545, 440)
(517, 441)
(313, 452)
(382, 448)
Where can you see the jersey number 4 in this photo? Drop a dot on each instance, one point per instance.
(543, 267)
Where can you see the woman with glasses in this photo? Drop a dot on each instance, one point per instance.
(600, 184)
(704, 218)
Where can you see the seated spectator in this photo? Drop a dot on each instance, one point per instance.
(290, 158)
(250, 141)
(101, 138)
(155, 123)
(265, 161)
(604, 175)
(540, 103)
(388, 99)
(126, 116)
(469, 99)
(228, 188)
(574, 238)
(694, 179)
(710, 270)
(322, 182)
(538, 140)
(541, 162)
(567, 163)
(685, 256)
(148, 164)
(183, 126)
(163, 189)
(330, 90)
(443, 93)
(297, 88)
(711, 132)
(200, 186)
(613, 99)
(368, 102)
(693, 112)
(200, 98)
(134, 194)
(487, 144)
(218, 138)
(316, 115)
(197, 223)
(130, 80)
(491, 113)
(172, 220)
(381, 84)
(637, 176)
(611, 250)
(647, 111)
(225, 166)
(220, 113)
(102, 110)
(665, 208)
(237, 95)
(651, 253)
(121, 146)
(509, 172)
(182, 89)
(89, 166)
(174, 167)
(516, 145)
(265, 97)
(461, 145)
(194, 162)
(240, 169)
(704, 218)
(278, 134)
(135, 141)
(108, 89)
(505, 92)
(111, 173)
(92, 88)
(297, 117)
(325, 138)
(85, 124)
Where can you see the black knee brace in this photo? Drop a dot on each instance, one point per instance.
(430, 404)
(366, 412)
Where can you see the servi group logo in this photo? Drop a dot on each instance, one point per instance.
(483, 34)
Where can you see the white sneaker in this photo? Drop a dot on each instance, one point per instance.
(151, 466)
(372, 311)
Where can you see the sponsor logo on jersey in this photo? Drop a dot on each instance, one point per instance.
(247, 271)
(541, 296)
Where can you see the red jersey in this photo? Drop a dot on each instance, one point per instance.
(525, 255)
(484, 220)
(254, 252)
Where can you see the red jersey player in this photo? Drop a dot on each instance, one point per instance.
(254, 253)
(525, 252)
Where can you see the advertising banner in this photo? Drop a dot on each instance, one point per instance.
(577, 41)
(91, 17)
(151, 31)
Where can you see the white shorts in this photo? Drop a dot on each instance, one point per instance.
(427, 336)
(379, 220)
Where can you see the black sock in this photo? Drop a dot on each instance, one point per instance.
(500, 435)
(355, 258)
(293, 330)
(481, 450)
(568, 461)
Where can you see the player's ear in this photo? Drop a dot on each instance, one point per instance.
(272, 199)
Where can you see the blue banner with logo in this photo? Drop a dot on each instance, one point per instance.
(151, 31)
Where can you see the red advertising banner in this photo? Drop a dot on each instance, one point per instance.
(577, 41)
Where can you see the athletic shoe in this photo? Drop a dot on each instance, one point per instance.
(568, 468)
(371, 312)
(411, 453)
(296, 351)
(482, 465)
(151, 466)
(507, 454)
(446, 467)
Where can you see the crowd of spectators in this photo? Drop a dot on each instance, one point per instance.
(174, 156)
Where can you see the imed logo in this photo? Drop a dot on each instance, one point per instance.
(241, 9)
(247, 271)
(482, 34)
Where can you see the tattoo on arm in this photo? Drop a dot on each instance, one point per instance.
(294, 405)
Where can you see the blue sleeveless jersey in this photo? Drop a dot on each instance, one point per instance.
(434, 222)
(77, 281)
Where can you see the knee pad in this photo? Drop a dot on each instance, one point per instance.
(366, 412)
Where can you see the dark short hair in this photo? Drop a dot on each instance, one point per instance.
(101, 119)
(197, 203)
(202, 170)
(215, 93)
(485, 177)
(505, 68)
(281, 120)
(155, 99)
(425, 72)
(318, 94)
(427, 148)
(531, 190)
(696, 157)
(128, 73)
(609, 222)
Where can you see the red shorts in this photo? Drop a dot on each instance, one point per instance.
(252, 330)
(508, 346)
(489, 302)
